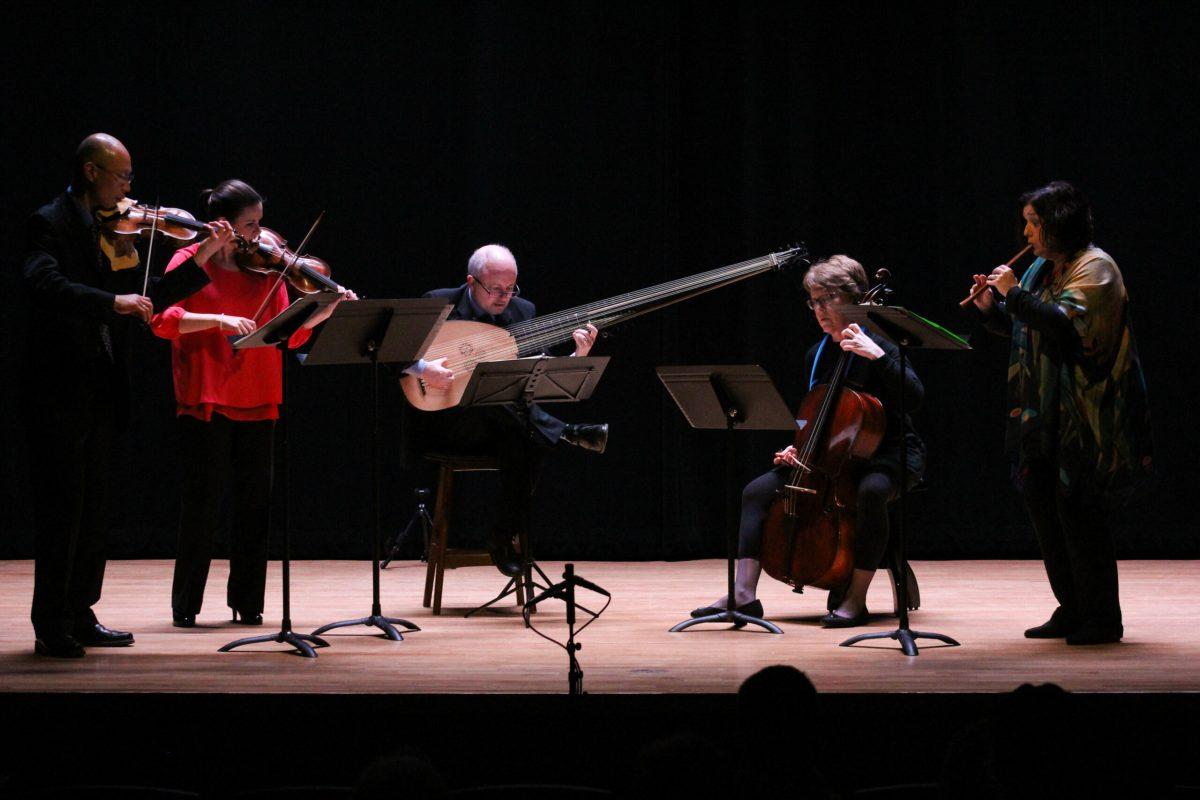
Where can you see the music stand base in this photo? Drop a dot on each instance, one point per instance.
(385, 624)
(906, 637)
(299, 641)
(737, 618)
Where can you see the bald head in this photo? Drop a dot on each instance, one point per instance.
(492, 272)
(103, 170)
(99, 146)
(490, 255)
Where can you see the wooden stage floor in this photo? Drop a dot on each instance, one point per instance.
(983, 604)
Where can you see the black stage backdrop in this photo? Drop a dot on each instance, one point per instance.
(613, 146)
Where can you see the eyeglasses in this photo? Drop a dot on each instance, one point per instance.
(498, 292)
(127, 177)
(824, 301)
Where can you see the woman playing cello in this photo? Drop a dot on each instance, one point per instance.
(227, 402)
(874, 368)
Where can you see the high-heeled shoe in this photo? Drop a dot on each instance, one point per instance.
(183, 620)
(753, 609)
(242, 618)
(912, 590)
(833, 620)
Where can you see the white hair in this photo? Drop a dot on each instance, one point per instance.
(480, 258)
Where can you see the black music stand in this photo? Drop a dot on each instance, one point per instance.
(377, 332)
(737, 397)
(276, 334)
(908, 331)
(520, 383)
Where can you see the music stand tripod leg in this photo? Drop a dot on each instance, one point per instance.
(905, 636)
(301, 642)
(376, 619)
(525, 578)
(420, 517)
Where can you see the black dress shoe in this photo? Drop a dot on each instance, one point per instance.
(58, 645)
(505, 557)
(242, 618)
(96, 635)
(589, 437)
(834, 620)
(1090, 633)
(1057, 627)
(754, 609)
(183, 620)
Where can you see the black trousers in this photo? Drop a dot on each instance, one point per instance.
(219, 457)
(876, 488)
(70, 443)
(1077, 547)
(518, 443)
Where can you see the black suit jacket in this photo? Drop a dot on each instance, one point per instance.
(70, 288)
(519, 309)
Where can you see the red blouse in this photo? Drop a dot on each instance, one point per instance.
(210, 376)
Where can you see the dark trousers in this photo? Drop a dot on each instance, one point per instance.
(1077, 547)
(217, 456)
(70, 448)
(519, 445)
(876, 488)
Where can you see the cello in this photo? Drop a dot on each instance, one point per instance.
(808, 536)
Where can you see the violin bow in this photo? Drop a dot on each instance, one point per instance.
(283, 272)
(150, 249)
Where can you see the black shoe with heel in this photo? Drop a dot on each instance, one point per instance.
(96, 635)
(58, 645)
(752, 609)
(912, 590)
(242, 618)
(833, 620)
(589, 437)
(1059, 626)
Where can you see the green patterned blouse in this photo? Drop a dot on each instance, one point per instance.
(1083, 406)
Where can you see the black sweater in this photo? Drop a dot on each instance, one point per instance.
(881, 379)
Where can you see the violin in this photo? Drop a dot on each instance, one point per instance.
(269, 255)
(131, 219)
(123, 225)
(809, 533)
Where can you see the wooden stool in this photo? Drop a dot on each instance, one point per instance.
(442, 557)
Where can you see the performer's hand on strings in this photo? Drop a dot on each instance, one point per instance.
(855, 340)
(584, 338)
(787, 456)
(220, 233)
(437, 375)
(136, 305)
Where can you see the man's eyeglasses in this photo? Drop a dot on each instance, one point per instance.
(497, 291)
(127, 177)
(824, 301)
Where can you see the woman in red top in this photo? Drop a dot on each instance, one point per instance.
(227, 402)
